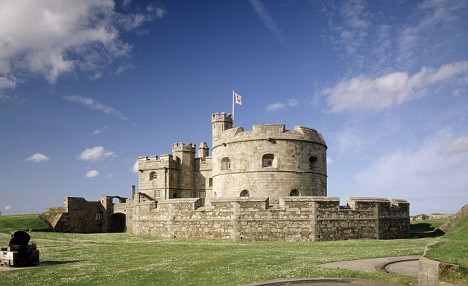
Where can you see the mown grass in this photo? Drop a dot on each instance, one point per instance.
(453, 248)
(124, 259)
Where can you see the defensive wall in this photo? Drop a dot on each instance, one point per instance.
(252, 219)
(82, 216)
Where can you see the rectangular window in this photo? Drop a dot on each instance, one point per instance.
(98, 216)
(210, 182)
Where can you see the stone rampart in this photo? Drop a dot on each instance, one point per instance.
(253, 219)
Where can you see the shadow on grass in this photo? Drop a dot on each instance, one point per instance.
(50, 263)
(423, 230)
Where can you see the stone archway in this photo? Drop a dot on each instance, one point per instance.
(118, 222)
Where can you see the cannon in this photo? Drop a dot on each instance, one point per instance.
(19, 252)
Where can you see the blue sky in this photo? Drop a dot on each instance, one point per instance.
(88, 86)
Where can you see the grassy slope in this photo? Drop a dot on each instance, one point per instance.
(123, 259)
(453, 248)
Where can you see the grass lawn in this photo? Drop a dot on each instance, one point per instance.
(125, 259)
(453, 248)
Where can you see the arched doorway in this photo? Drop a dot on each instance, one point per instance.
(118, 222)
(245, 193)
(294, 193)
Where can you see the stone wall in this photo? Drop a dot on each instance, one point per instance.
(252, 219)
(80, 215)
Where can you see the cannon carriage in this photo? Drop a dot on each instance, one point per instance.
(19, 252)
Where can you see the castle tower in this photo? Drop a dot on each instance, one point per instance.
(203, 151)
(220, 123)
(185, 155)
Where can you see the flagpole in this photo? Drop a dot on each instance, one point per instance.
(233, 104)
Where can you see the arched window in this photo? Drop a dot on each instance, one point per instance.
(225, 164)
(312, 162)
(267, 160)
(153, 176)
(294, 193)
(245, 193)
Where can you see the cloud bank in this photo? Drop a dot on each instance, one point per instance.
(440, 163)
(365, 93)
(53, 37)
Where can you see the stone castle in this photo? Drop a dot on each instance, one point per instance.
(265, 184)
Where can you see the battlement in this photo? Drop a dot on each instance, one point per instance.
(223, 116)
(155, 158)
(308, 218)
(269, 132)
(181, 146)
(269, 128)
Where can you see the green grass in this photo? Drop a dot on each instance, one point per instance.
(124, 259)
(453, 248)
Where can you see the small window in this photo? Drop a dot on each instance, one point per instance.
(294, 193)
(157, 194)
(153, 176)
(225, 164)
(98, 216)
(210, 182)
(312, 162)
(267, 160)
(245, 193)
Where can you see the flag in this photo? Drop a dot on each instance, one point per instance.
(238, 98)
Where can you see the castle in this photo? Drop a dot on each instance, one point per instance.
(265, 184)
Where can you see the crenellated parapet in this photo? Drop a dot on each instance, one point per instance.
(183, 147)
(155, 162)
(221, 116)
(268, 132)
(311, 218)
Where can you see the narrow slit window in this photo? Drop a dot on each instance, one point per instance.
(312, 162)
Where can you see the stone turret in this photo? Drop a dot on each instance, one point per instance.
(203, 151)
(185, 154)
(220, 123)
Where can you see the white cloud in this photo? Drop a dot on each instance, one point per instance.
(330, 160)
(271, 25)
(348, 24)
(99, 131)
(92, 174)
(293, 102)
(51, 38)
(6, 82)
(437, 169)
(282, 106)
(8, 207)
(95, 105)
(135, 167)
(275, 107)
(96, 153)
(37, 158)
(364, 93)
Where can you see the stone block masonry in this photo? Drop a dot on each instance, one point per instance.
(252, 219)
(267, 184)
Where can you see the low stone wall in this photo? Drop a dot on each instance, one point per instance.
(294, 219)
(430, 270)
